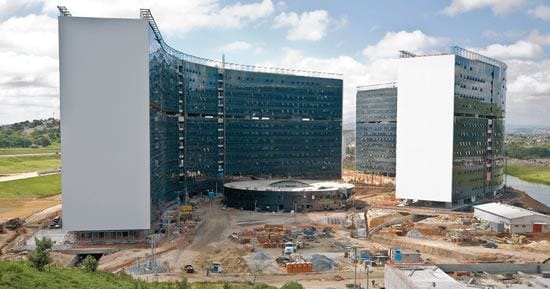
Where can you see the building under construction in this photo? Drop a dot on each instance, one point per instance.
(145, 125)
(376, 115)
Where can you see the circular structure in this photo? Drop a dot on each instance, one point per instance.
(287, 194)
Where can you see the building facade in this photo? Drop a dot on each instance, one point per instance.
(287, 195)
(376, 115)
(198, 122)
(511, 219)
(450, 127)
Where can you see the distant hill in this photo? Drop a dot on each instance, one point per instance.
(36, 133)
(528, 130)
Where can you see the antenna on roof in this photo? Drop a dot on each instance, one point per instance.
(406, 54)
(63, 11)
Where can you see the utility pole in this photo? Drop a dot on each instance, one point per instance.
(355, 267)
(367, 267)
(295, 221)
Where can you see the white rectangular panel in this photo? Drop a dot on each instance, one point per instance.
(104, 90)
(425, 116)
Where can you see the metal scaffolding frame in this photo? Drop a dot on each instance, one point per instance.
(63, 11)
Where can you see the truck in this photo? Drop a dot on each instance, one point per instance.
(289, 248)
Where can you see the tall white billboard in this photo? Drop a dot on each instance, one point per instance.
(425, 116)
(104, 89)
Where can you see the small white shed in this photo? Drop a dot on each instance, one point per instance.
(511, 219)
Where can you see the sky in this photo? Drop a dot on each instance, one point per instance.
(359, 39)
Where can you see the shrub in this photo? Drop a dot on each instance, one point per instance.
(292, 285)
(40, 256)
(90, 263)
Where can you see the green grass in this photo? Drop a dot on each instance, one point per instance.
(14, 165)
(32, 187)
(53, 148)
(534, 174)
(19, 275)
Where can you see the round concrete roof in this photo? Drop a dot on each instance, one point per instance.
(289, 185)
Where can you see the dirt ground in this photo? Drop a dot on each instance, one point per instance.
(210, 242)
(23, 208)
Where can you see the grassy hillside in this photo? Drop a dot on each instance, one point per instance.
(530, 173)
(527, 151)
(33, 187)
(18, 275)
(36, 133)
(13, 165)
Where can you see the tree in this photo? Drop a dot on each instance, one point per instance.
(90, 263)
(43, 141)
(292, 285)
(40, 256)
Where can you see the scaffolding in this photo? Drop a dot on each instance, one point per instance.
(63, 11)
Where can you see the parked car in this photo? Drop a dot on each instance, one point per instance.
(490, 245)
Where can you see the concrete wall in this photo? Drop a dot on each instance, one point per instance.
(104, 89)
(425, 116)
(495, 268)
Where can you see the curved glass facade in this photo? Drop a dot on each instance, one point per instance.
(211, 123)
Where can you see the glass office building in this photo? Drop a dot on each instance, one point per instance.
(213, 122)
(145, 125)
(376, 115)
(450, 127)
(478, 149)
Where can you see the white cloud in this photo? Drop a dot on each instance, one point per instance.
(172, 15)
(235, 46)
(541, 11)
(31, 34)
(519, 49)
(497, 6)
(10, 6)
(538, 38)
(528, 97)
(29, 68)
(28, 86)
(310, 25)
(415, 41)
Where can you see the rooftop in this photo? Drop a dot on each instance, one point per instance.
(377, 86)
(426, 277)
(459, 51)
(507, 211)
(289, 185)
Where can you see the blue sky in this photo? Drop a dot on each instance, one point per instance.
(359, 39)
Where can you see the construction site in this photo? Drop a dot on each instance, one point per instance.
(240, 176)
(208, 241)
